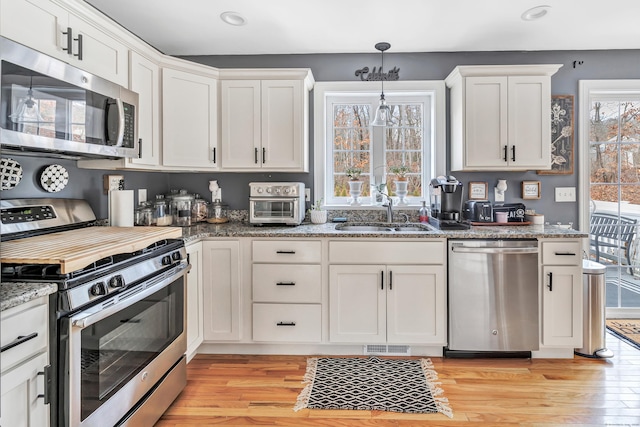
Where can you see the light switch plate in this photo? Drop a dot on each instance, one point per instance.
(307, 194)
(565, 194)
(112, 182)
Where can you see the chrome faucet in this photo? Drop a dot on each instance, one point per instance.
(389, 207)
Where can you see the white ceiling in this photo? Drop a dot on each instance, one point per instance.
(194, 27)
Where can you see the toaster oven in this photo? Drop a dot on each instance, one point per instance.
(276, 203)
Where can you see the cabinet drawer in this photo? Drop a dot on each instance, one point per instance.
(286, 283)
(287, 251)
(562, 253)
(18, 326)
(387, 252)
(286, 322)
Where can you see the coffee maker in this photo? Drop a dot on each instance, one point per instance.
(445, 193)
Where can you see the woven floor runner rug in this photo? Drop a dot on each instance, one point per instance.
(372, 383)
(627, 329)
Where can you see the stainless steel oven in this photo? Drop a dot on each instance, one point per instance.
(276, 203)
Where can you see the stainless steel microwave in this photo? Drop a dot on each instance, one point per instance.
(49, 106)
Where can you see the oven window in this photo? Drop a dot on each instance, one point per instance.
(274, 209)
(117, 348)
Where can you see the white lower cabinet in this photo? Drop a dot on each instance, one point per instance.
(194, 316)
(22, 390)
(561, 289)
(221, 290)
(392, 303)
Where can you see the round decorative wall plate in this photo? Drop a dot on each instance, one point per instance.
(10, 173)
(54, 178)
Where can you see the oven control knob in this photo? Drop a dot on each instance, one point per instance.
(287, 190)
(176, 256)
(166, 260)
(98, 289)
(116, 282)
(268, 189)
(259, 190)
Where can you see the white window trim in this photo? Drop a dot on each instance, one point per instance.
(323, 89)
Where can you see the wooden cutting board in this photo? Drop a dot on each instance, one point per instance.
(75, 249)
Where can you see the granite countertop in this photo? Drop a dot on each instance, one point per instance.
(242, 229)
(13, 293)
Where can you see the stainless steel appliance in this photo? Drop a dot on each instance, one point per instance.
(276, 203)
(117, 325)
(49, 106)
(493, 297)
(477, 211)
(445, 193)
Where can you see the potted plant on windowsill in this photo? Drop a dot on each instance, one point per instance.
(400, 182)
(317, 214)
(355, 185)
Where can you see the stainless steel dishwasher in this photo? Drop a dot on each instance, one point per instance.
(493, 297)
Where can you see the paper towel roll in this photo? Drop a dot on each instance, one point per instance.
(121, 208)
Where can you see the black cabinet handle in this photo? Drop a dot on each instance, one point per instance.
(69, 34)
(264, 154)
(505, 153)
(565, 254)
(20, 340)
(46, 373)
(550, 284)
(214, 154)
(255, 155)
(189, 262)
(79, 54)
(513, 153)
(382, 280)
(285, 252)
(286, 324)
(390, 280)
(139, 148)
(286, 284)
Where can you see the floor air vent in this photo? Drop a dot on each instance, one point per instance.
(387, 350)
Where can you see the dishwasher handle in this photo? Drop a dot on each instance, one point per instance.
(477, 250)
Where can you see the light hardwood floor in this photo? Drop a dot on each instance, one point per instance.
(232, 390)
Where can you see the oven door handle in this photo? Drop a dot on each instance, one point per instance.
(100, 312)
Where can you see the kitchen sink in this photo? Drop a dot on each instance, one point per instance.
(384, 227)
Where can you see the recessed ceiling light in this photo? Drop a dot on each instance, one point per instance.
(535, 13)
(233, 18)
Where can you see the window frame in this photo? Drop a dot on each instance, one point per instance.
(436, 89)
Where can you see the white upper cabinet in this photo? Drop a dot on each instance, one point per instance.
(189, 120)
(501, 117)
(51, 29)
(264, 120)
(144, 76)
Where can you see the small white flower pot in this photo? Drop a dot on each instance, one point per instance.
(318, 217)
(355, 190)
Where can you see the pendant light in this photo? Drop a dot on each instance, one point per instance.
(27, 109)
(383, 112)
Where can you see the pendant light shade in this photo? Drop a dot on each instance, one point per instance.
(383, 112)
(27, 109)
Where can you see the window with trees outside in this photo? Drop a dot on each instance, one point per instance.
(377, 154)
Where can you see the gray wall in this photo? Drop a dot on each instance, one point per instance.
(620, 64)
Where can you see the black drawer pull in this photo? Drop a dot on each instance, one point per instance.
(46, 372)
(285, 252)
(286, 324)
(286, 284)
(21, 339)
(565, 254)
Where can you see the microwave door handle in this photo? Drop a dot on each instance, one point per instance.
(117, 102)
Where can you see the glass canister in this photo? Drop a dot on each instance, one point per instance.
(161, 213)
(199, 210)
(181, 208)
(217, 212)
(143, 214)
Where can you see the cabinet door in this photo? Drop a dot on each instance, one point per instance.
(188, 120)
(145, 81)
(241, 140)
(283, 138)
(561, 306)
(416, 304)
(21, 406)
(357, 304)
(221, 289)
(529, 122)
(195, 319)
(36, 23)
(99, 53)
(486, 122)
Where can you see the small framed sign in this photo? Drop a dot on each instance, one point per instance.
(531, 189)
(477, 190)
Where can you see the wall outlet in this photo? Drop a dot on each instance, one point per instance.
(307, 194)
(112, 182)
(565, 194)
